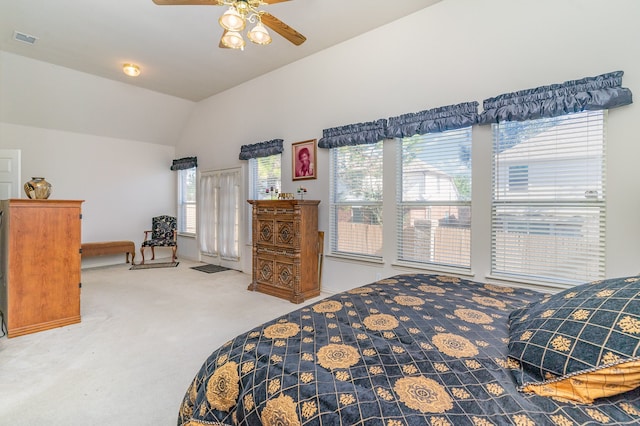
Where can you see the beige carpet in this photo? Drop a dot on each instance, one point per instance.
(143, 336)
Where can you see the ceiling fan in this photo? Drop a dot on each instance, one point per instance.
(239, 13)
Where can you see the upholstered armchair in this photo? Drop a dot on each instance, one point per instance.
(163, 234)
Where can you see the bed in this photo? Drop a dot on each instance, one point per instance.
(418, 349)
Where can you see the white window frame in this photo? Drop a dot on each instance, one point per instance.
(367, 235)
(553, 230)
(187, 208)
(433, 228)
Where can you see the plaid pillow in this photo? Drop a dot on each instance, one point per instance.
(565, 342)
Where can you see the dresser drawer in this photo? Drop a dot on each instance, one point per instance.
(269, 251)
(266, 212)
(276, 272)
(277, 232)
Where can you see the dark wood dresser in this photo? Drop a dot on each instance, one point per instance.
(286, 248)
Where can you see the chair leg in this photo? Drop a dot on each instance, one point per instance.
(174, 255)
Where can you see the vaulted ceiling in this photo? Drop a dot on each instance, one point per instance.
(176, 47)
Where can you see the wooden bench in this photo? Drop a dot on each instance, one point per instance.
(110, 247)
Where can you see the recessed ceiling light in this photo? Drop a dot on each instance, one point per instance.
(25, 38)
(132, 70)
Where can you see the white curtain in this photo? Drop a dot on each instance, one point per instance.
(207, 205)
(229, 214)
(219, 214)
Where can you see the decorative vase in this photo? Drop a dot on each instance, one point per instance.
(37, 188)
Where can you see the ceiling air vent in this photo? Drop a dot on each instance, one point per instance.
(25, 38)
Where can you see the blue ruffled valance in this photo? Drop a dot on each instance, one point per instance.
(590, 93)
(434, 120)
(354, 134)
(184, 163)
(261, 149)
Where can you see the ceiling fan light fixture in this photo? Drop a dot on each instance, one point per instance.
(259, 34)
(243, 6)
(233, 40)
(231, 20)
(132, 70)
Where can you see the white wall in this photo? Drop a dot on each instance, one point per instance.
(454, 51)
(123, 183)
(108, 143)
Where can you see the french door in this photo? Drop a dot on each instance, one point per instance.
(219, 217)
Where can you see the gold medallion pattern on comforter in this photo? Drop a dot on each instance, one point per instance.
(409, 350)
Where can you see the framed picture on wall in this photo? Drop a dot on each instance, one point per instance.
(303, 156)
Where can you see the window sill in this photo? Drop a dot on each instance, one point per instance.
(434, 268)
(538, 285)
(352, 259)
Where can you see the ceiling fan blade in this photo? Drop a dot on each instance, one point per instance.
(281, 28)
(273, 1)
(187, 2)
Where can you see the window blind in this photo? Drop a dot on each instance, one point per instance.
(548, 204)
(356, 200)
(434, 198)
(187, 200)
(264, 173)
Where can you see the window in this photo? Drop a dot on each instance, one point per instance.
(187, 201)
(548, 207)
(264, 174)
(356, 201)
(434, 198)
(264, 177)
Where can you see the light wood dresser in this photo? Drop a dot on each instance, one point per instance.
(285, 248)
(40, 264)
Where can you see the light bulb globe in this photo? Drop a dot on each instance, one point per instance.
(259, 35)
(231, 20)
